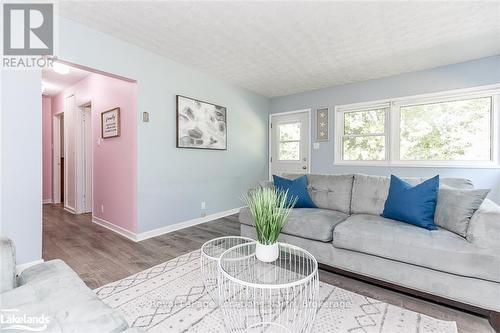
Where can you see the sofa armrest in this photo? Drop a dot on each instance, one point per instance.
(8, 264)
(484, 226)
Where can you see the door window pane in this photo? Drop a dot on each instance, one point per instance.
(289, 132)
(289, 142)
(446, 131)
(289, 151)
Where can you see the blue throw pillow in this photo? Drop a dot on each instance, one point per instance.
(412, 204)
(297, 188)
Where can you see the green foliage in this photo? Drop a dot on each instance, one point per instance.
(456, 130)
(452, 130)
(364, 135)
(270, 211)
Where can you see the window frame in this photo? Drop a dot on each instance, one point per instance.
(341, 129)
(392, 128)
(279, 141)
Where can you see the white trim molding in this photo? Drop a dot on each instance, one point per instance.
(113, 227)
(137, 237)
(185, 224)
(22, 267)
(69, 209)
(47, 201)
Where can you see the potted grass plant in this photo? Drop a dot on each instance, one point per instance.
(270, 209)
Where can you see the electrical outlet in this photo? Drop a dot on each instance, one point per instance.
(203, 205)
(102, 208)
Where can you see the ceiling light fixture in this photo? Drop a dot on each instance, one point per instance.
(60, 68)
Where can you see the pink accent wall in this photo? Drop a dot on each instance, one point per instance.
(115, 159)
(47, 148)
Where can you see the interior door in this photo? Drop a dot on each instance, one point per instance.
(87, 124)
(290, 143)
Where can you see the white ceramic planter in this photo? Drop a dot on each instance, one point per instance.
(267, 253)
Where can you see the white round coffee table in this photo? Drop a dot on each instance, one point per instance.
(209, 257)
(280, 296)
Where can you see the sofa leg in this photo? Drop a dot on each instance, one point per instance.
(495, 321)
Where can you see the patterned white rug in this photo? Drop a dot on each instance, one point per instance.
(171, 297)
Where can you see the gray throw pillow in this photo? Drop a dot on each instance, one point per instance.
(455, 208)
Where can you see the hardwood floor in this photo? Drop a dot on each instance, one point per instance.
(101, 256)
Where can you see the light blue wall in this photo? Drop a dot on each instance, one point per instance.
(21, 162)
(172, 182)
(469, 74)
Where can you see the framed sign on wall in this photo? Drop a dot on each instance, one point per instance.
(200, 124)
(110, 123)
(322, 125)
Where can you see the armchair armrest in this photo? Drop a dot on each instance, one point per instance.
(8, 264)
(484, 226)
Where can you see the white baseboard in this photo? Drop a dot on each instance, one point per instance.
(119, 230)
(70, 209)
(22, 267)
(47, 201)
(165, 230)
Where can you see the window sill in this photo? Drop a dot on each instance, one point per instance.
(403, 165)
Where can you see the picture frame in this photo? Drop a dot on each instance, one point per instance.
(110, 123)
(322, 124)
(200, 124)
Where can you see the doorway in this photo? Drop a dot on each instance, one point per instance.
(289, 142)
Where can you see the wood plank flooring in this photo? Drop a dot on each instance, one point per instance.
(100, 256)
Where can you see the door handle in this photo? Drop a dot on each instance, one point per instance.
(304, 167)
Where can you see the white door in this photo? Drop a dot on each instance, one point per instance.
(87, 142)
(290, 143)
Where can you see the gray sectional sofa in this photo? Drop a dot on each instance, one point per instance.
(54, 290)
(347, 233)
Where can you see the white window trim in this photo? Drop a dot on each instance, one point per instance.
(392, 128)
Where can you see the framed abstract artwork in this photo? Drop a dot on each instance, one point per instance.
(322, 125)
(201, 125)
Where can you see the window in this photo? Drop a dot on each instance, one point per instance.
(364, 135)
(289, 141)
(444, 129)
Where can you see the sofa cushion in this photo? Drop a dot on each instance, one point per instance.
(8, 260)
(311, 223)
(370, 192)
(441, 250)
(330, 191)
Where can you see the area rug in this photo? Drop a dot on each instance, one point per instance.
(171, 297)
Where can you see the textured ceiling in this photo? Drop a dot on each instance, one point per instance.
(281, 48)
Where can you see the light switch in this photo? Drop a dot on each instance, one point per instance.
(145, 117)
(316, 145)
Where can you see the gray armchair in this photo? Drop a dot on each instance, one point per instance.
(54, 290)
(8, 265)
